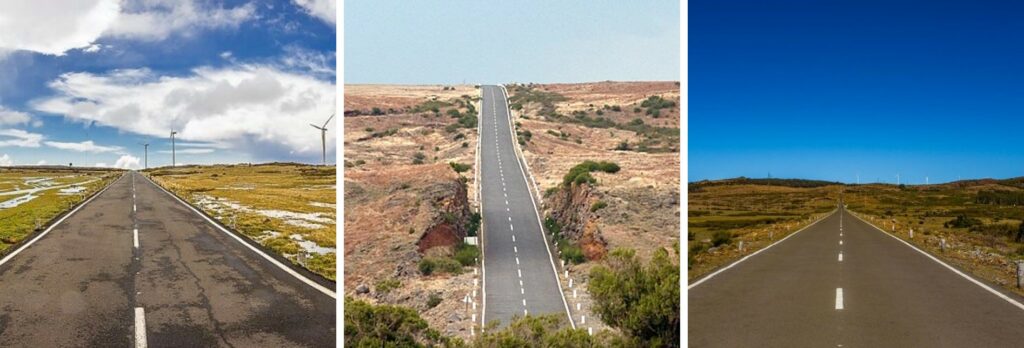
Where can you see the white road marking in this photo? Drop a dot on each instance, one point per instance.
(524, 302)
(972, 280)
(511, 228)
(140, 327)
(522, 291)
(509, 219)
(839, 298)
(135, 237)
(520, 271)
(133, 208)
(515, 249)
(517, 260)
(840, 242)
(840, 257)
(702, 280)
(513, 238)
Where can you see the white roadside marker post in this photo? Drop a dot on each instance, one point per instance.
(741, 246)
(911, 233)
(942, 244)
(1020, 273)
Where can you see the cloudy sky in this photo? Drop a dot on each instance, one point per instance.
(88, 81)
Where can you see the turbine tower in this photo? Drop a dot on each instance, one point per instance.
(146, 147)
(172, 148)
(323, 137)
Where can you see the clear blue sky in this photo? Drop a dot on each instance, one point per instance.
(428, 42)
(830, 89)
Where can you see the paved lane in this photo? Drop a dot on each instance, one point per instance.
(892, 296)
(136, 255)
(518, 269)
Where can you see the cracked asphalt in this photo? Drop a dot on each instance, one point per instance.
(79, 285)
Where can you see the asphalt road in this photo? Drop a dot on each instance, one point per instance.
(186, 284)
(891, 296)
(519, 277)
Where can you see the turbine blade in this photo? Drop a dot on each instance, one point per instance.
(328, 120)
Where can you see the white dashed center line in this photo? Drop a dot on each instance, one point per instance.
(140, 327)
(839, 298)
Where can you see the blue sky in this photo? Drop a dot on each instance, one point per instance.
(428, 42)
(86, 81)
(832, 89)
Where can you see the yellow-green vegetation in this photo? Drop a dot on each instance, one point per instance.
(31, 197)
(757, 212)
(288, 208)
(641, 300)
(980, 220)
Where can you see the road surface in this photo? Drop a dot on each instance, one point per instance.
(182, 283)
(519, 275)
(879, 293)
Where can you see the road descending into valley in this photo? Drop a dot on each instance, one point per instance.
(843, 283)
(519, 271)
(135, 267)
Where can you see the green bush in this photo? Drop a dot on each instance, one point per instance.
(642, 301)
(386, 285)
(467, 254)
(454, 113)
(418, 157)
(433, 300)
(367, 325)
(598, 206)
(571, 253)
(473, 225)
(721, 237)
(459, 167)
(580, 173)
(429, 265)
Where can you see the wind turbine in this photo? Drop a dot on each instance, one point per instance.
(323, 137)
(146, 146)
(172, 148)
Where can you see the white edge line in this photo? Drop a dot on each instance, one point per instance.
(140, 328)
(480, 198)
(540, 224)
(259, 252)
(723, 269)
(951, 268)
(55, 224)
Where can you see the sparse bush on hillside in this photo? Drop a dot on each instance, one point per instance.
(459, 167)
(386, 285)
(433, 300)
(418, 158)
(598, 206)
(721, 238)
(642, 301)
(581, 172)
(962, 221)
(368, 325)
(467, 254)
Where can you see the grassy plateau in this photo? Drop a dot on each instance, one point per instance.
(288, 208)
(31, 197)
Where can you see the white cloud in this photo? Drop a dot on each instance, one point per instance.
(326, 10)
(308, 61)
(226, 54)
(68, 25)
(77, 24)
(85, 146)
(41, 162)
(257, 109)
(11, 117)
(100, 165)
(158, 19)
(19, 138)
(127, 162)
(6, 161)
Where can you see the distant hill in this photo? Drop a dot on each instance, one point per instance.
(765, 181)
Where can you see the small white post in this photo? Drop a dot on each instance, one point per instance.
(590, 331)
(574, 293)
(578, 306)
(741, 246)
(911, 233)
(942, 244)
(583, 319)
(570, 283)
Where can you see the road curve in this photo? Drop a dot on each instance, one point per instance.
(519, 277)
(879, 293)
(135, 265)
